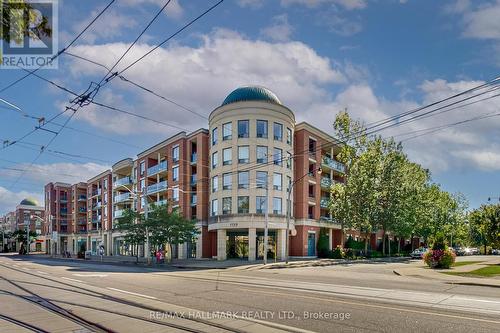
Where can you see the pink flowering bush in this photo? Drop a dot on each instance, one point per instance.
(439, 256)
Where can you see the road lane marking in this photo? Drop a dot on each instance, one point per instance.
(475, 300)
(131, 293)
(70, 279)
(376, 306)
(90, 275)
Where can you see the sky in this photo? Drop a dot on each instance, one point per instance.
(377, 58)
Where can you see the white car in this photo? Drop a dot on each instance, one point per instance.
(418, 253)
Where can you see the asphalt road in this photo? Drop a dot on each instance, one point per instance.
(350, 298)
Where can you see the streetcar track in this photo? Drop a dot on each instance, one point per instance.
(134, 304)
(23, 324)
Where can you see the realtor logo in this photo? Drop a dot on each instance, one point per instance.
(28, 34)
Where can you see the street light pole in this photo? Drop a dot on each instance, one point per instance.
(266, 226)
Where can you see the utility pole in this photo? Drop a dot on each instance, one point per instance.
(28, 237)
(266, 228)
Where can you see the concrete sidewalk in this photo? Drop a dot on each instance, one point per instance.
(422, 271)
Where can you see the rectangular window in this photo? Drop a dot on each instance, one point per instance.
(288, 136)
(289, 161)
(215, 158)
(261, 179)
(243, 179)
(226, 181)
(288, 183)
(142, 168)
(215, 183)
(243, 205)
(227, 158)
(175, 154)
(227, 131)
(277, 181)
(214, 209)
(105, 183)
(278, 131)
(277, 156)
(261, 154)
(215, 134)
(175, 174)
(243, 154)
(262, 129)
(243, 128)
(260, 205)
(175, 194)
(143, 185)
(277, 206)
(226, 205)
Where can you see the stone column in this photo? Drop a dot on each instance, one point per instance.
(221, 244)
(281, 245)
(199, 245)
(330, 239)
(252, 243)
(181, 251)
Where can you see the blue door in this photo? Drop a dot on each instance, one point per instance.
(311, 244)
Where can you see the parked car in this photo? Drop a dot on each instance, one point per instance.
(474, 251)
(460, 251)
(418, 253)
(495, 251)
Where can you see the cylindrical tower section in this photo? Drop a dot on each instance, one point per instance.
(251, 136)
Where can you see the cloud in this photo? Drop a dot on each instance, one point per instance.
(488, 160)
(346, 4)
(253, 4)
(280, 30)
(199, 77)
(9, 199)
(40, 174)
(113, 24)
(484, 22)
(173, 9)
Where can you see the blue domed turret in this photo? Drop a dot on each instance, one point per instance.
(251, 93)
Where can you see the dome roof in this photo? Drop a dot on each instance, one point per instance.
(251, 93)
(29, 202)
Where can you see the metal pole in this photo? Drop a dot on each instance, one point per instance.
(266, 224)
(28, 237)
(146, 247)
(287, 221)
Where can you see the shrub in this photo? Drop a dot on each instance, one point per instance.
(441, 258)
(338, 253)
(352, 244)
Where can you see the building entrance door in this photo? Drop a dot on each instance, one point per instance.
(311, 244)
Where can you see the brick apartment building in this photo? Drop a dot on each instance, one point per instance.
(226, 178)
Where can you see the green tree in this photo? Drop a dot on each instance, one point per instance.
(168, 227)
(20, 236)
(485, 226)
(19, 20)
(132, 224)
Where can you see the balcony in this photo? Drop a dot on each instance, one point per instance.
(194, 158)
(325, 219)
(193, 180)
(82, 222)
(329, 163)
(63, 211)
(326, 182)
(323, 203)
(63, 199)
(157, 203)
(194, 200)
(82, 198)
(161, 186)
(82, 209)
(122, 197)
(162, 166)
(118, 213)
(122, 182)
